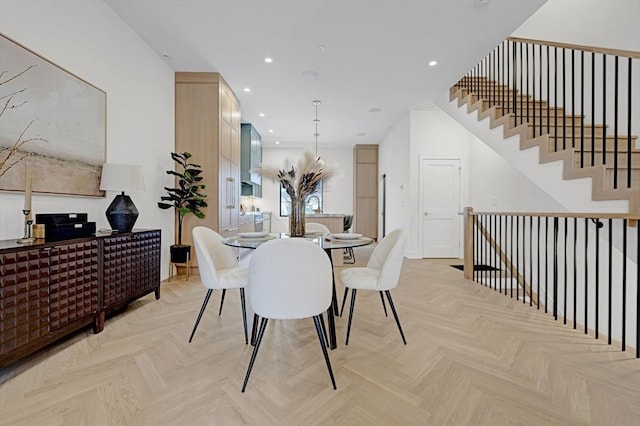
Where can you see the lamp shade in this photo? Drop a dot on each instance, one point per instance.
(122, 213)
(121, 177)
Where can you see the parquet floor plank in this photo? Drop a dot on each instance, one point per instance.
(474, 357)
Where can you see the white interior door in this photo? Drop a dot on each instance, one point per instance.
(440, 201)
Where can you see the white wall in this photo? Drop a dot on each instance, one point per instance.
(337, 192)
(393, 159)
(601, 23)
(89, 40)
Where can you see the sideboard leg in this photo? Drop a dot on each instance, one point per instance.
(157, 293)
(98, 326)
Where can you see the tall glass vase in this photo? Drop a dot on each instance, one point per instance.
(296, 218)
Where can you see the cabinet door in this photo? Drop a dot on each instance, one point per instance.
(73, 282)
(131, 267)
(24, 298)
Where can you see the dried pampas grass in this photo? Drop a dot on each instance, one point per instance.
(301, 180)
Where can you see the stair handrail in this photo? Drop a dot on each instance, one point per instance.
(592, 49)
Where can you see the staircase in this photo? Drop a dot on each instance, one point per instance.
(547, 93)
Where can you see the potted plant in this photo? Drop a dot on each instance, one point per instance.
(186, 198)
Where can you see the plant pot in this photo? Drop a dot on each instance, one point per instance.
(179, 253)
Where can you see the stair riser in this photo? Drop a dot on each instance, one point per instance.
(515, 121)
(622, 178)
(567, 132)
(598, 143)
(622, 160)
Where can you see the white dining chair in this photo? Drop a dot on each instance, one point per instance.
(381, 274)
(290, 278)
(316, 227)
(219, 270)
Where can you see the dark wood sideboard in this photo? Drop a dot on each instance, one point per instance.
(51, 289)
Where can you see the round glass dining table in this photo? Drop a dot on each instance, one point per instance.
(327, 243)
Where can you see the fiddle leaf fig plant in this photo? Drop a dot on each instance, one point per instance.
(187, 197)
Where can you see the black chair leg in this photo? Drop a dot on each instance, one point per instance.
(384, 305)
(254, 329)
(244, 315)
(204, 305)
(323, 345)
(324, 329)
(344, 299)
(353, 303)
(393, 309)
(224, 291)
(263, 325)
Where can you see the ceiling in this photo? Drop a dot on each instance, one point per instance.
(366, 61)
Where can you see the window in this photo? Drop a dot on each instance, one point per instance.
(313, 203)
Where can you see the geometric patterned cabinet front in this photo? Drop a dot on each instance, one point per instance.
(45, 293)
(50, 289)
(24, 298)
(131, 268)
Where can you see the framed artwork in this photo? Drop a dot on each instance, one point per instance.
(55, 118)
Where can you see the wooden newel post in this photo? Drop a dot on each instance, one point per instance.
(468, 243)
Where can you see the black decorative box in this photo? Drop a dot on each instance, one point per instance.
(66, 231)
(64, 226)
(60, 218)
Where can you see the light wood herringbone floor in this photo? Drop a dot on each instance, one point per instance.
(473, 358)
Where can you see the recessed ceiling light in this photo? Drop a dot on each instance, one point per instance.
(482, 3)
(270, 130)
(433, 63)
(166, 56)
(375, 109)
(310, 74)
(268, 60)
(261, 114)
(247, 89)
(322, 47)
(277, 142)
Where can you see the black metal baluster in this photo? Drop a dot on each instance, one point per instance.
(530, 260)
(604, 109)
(575, 271)
(511, 257)
(517, 257)
(500, 261)
(564, 314)
(610, 276)
(521, 86)
(540, 85)
(629, 140)
(555, 268)
(593, 109)
(546, 264)
(527, 76)
(624, 285)
(573, 99)
(515, 85)
(555, 100)
(615, 123)
(524, 259)
(586, 273)
(533, 85)
(564, 100)
(597, 277)
(582, 109)
(538, 268)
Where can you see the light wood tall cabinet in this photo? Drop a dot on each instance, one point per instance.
(208, 126)
(365, 205)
